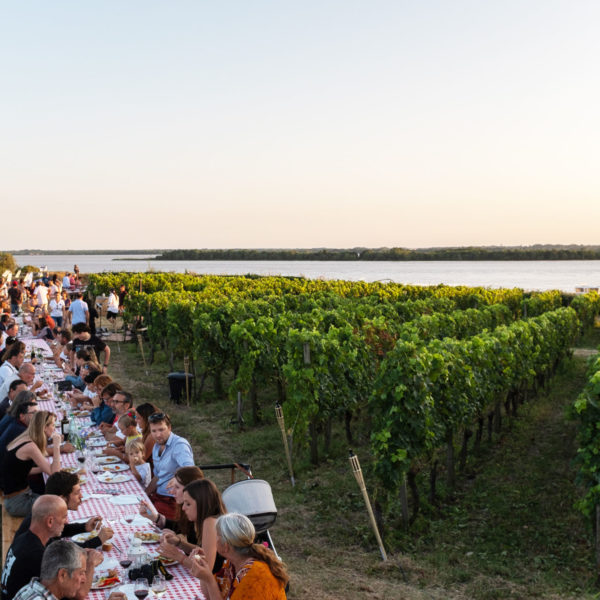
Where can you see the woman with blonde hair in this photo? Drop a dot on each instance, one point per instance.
(25, 452)
(250, 571)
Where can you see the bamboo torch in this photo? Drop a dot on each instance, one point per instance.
(280, 420)
(186, 368)
(361, 484)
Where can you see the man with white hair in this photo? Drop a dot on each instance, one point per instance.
(63, 574)
(26, 373)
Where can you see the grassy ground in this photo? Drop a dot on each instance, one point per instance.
(509, 530)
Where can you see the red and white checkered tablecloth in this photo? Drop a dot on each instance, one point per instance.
(183, 586)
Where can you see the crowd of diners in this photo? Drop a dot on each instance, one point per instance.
(42, 562)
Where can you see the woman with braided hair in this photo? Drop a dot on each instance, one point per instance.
(250, 571)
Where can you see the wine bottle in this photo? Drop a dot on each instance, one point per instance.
(65, 427)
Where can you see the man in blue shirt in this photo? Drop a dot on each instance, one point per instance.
(170, 452)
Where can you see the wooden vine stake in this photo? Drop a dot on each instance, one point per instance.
(141, 345)
(280, 420)
(361, 484)
(598, 540)
(186, 368)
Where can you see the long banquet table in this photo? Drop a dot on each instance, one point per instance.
(96, 501)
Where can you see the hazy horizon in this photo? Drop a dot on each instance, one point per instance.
(323, 124)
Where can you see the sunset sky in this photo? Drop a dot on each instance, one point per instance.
(249, 123)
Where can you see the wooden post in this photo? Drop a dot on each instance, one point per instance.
(141, 345)
(361, 484)
(240, 417)
(186, 368)
(598, 540)
(280, 420)
(306, 352)
(404, 502)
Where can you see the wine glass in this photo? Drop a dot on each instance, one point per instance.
(159, 584)
(129, 518)
(141, 588)
(80, 456)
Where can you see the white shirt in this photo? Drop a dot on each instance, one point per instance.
(6, 370)
(41, 293)
(56, 308)
(66, 282)
(113, 303)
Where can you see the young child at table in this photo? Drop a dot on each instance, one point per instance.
(128, 427)
(135, 456)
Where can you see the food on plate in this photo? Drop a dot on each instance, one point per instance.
(109, 580)
(84, 537)
(147, 537)
(115, 467)
(106, 460)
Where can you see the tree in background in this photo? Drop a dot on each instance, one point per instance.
(7, 262)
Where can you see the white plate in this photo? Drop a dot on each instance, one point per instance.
(104, 587)
(84, 537)
(106, 460)
(95, 442)
(113, 478)
(124, 499)
(114, 468)
(155, 536)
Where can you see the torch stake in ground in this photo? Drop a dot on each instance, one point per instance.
(280, 420)
(361, 484)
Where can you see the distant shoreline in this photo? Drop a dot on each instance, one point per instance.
(546, 252)
(535, 253)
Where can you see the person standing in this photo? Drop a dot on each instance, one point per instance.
(41, 295)
(112, 312)
(122, 296)
(16, 298)
(79, 311)
(57, 309)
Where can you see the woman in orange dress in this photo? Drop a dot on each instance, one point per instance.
(250, 571)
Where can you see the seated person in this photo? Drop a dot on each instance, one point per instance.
(16, 386)
(122, 404)
(26, 451)
(202, 505)
(24, 557)
(18, 417)
(66, 571)
(66, 485)
(73, 366)
(103, 412)
(88, 373)
(180, 524)
(170, 452)
(250, 571)
(140, 469)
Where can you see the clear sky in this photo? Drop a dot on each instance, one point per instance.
(254, 123)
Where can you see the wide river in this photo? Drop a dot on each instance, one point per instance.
(530, 275)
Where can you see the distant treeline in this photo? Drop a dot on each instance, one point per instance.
(465, 253)
(82, 252)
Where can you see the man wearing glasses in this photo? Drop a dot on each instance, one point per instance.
(170, 452)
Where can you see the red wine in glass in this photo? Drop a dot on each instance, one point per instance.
(125, 563)
(141, 594)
